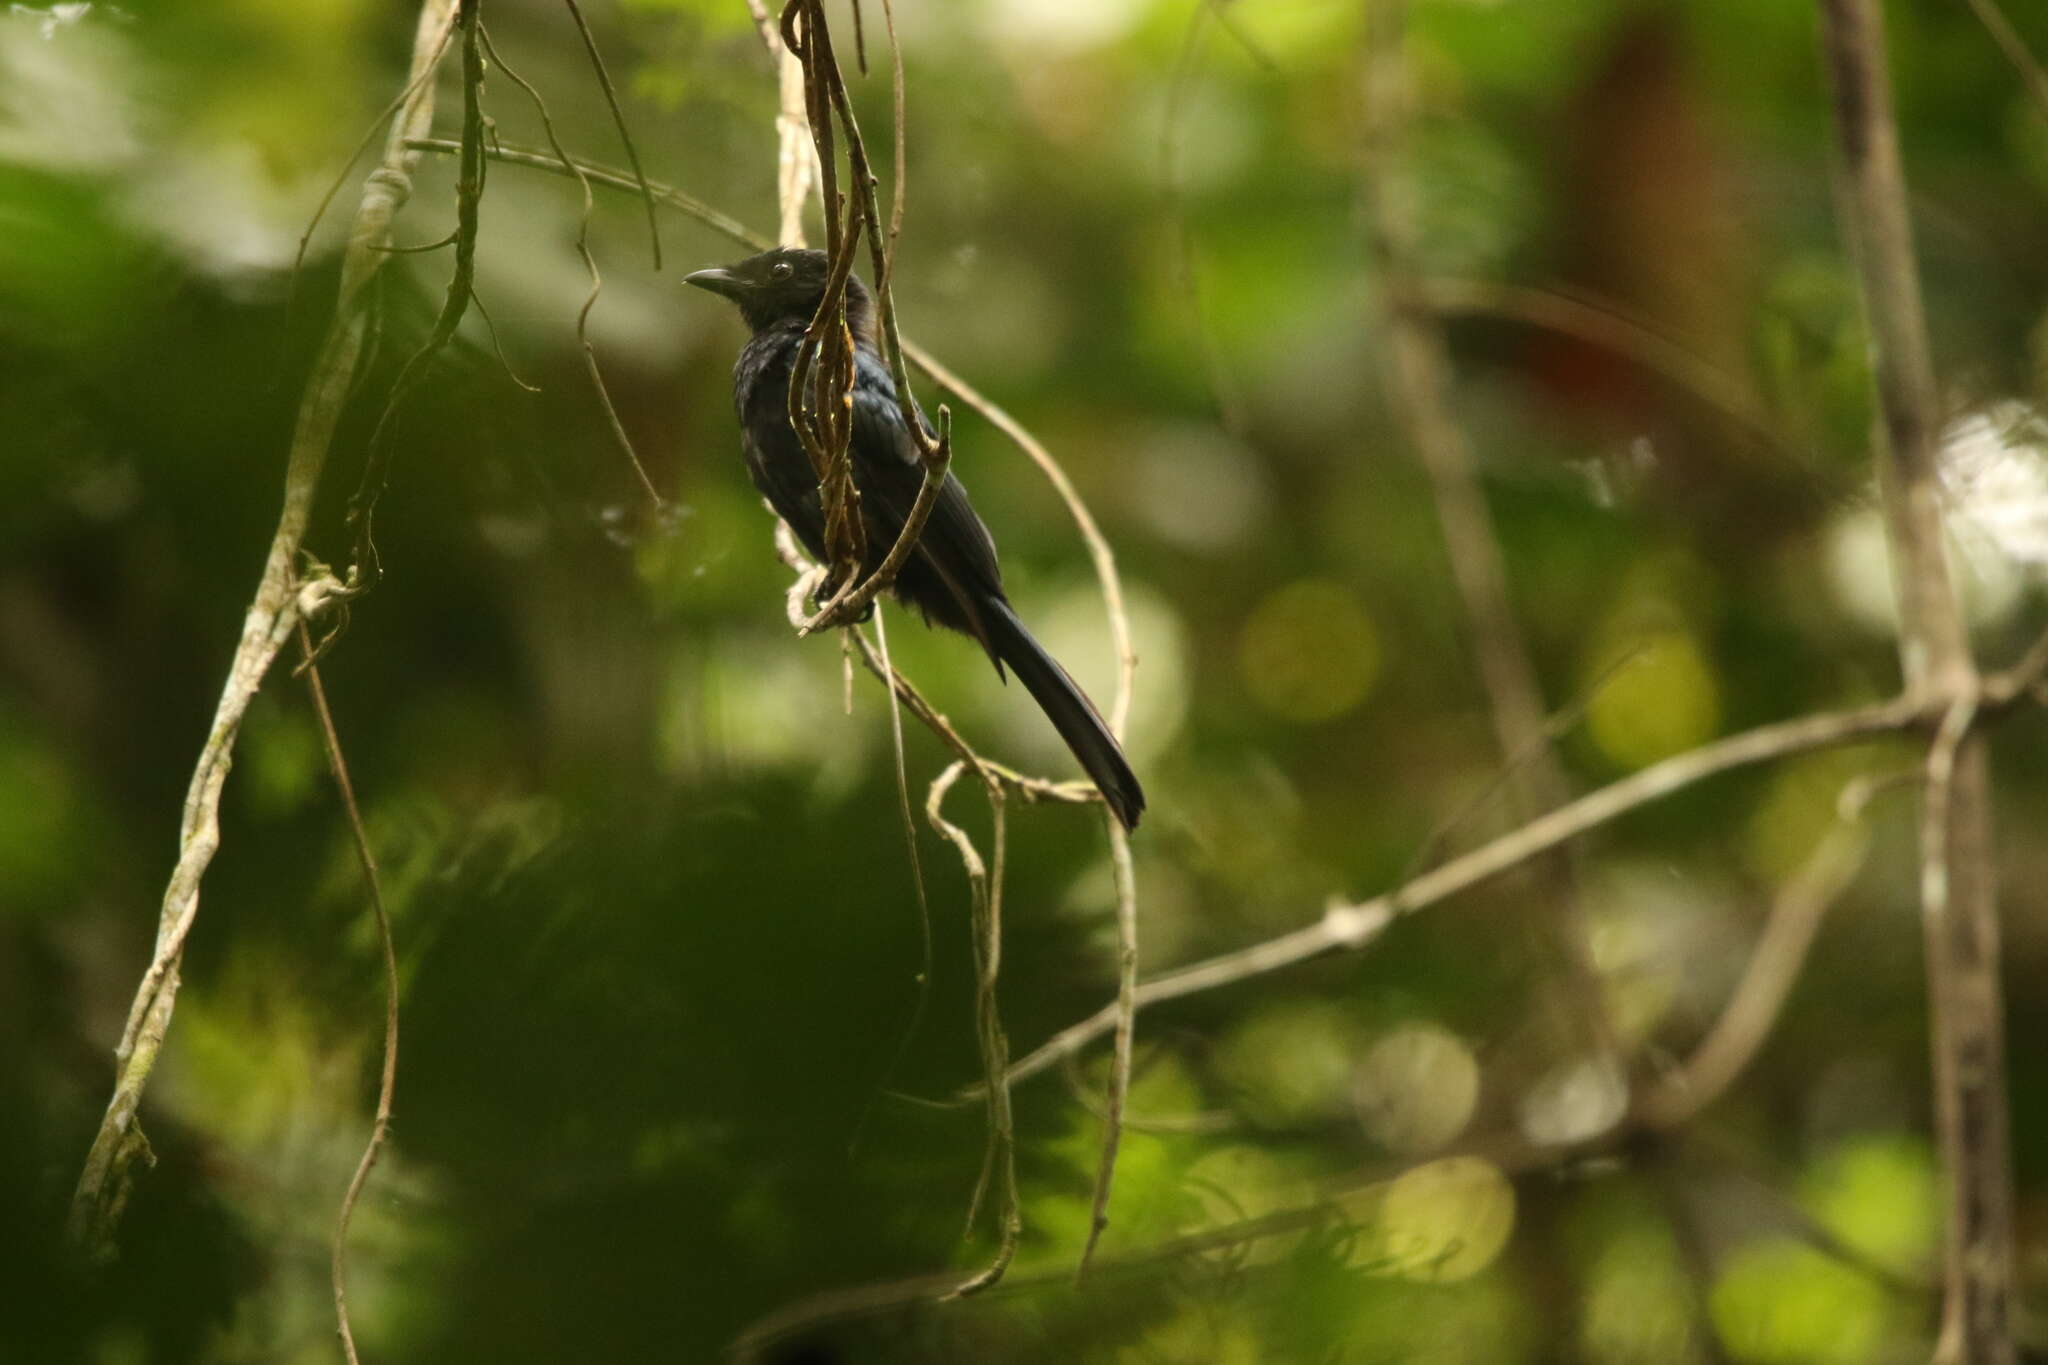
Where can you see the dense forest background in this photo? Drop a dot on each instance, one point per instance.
(657, 932)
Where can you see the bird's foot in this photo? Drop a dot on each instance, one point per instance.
(824, 598)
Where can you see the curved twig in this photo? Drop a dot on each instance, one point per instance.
(387, 1084)
(1774, 965)
(280, 600)
(611, 99)
(604, 396)
(1029, 789)
(1416, 374)
(1125, 1029)
(2015, 49)
(827, 101)
(1611, 326)
(398, 102)
(999, 1160)
(1099, 551)
(1347, 926)
(364, 568)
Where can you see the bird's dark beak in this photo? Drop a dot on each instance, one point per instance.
(718, 280)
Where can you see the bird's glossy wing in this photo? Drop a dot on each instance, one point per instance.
(775, 457)
(889, 472)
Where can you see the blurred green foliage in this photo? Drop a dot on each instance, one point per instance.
(655, 920)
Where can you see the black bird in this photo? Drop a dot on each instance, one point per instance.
(952, 578)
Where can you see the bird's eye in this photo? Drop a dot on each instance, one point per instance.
(781, 270)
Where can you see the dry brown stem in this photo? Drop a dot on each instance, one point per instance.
(365, 569)
(280, 601)
(806, 33)
(387, 1084)
(583, 252)
(999, 1161)
(1124, 1030)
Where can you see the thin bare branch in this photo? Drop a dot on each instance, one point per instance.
(611, 99)
(1611, 326)
(796, 159)
(1125, 877)
(281, 599)
(476, 301)
(897, 175)
(827, 103)
(1555, 727)
(569, 166)
(423, 248)
(1099, 551)
(1348, 926)
(924, 906)
(1958, 881)
(976, 870)
(1415, 373)
(999, 1162)
(1774, 965)
(2015, 49)
(423, 72)
(611, 178)
(364, 568)
(821, 378)
(387, 1084)
(1228, 22)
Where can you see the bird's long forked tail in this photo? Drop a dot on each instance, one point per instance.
(1069, 710)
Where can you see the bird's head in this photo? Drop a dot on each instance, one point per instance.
(783, 285)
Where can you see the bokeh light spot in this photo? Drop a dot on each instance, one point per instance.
(1291, 1063)
(1416, 1088)
(1879, 1194)
(1662, 700)
(1780, 1302)
(1638, 1308)
(1309, 652)
(1447, 1220)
